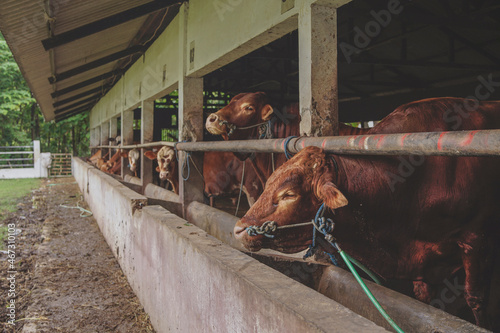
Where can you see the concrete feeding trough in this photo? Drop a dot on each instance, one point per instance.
(191, 280)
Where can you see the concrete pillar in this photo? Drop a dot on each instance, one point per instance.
(36, 158)
(127, 134)
(147, 120)
(105, 133)
(190, 121)
(318, 69)
(113, 127)
(98, 136)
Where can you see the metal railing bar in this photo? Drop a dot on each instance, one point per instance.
(141, 145)
(454, 143)
(16, 166)
(9, 147)
(16, 152)
(15, 159)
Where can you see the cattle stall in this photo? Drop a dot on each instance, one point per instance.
(341, 60)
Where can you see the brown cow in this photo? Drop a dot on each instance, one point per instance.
(222, 173)
(110, 164)
(251, 116)
(247, 116)
(444, 215)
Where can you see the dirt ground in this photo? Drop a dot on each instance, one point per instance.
(65, 278)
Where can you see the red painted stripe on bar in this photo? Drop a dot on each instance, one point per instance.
(380, 140)
(323, 144)
(403, 139)
(469, 139)
(361, 142)
(440, 141)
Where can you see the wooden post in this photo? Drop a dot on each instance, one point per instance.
(113, 128)
(190, 122)
(318, 70)
(147, 120)
(127, 134)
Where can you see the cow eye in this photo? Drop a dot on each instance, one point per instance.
(288, 195)
(249, 108)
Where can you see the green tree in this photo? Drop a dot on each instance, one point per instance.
(21, 120)
(15, 100)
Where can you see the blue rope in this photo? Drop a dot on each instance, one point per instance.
(285, 147)
(326, 227)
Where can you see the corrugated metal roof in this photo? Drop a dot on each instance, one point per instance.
(25, 23)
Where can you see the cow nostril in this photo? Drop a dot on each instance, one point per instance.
(239, 231)
(212, 118)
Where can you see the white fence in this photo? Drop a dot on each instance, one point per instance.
(24, 162)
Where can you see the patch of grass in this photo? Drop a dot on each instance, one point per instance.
(3, 234)
(12, 190)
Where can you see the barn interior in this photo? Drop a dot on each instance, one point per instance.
(427, 49)
(388, 53)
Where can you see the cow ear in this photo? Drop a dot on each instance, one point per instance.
(150, 154)
(157, 169)
(267, 112)
(332, 196)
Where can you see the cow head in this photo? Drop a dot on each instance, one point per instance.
(166, 162)
(292, 195)
(133, 158)
(243, 110)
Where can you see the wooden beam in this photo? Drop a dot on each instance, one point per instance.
(85, 83)
(101, 89)
(96, 63)
(107, 22)
(83, 101)
(71, 114)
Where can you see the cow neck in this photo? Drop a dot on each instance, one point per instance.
(338, 169)
(347, 180)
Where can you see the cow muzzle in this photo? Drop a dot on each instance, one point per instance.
(213, 126)
(219, 126)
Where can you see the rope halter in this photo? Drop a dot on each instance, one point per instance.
(268, 228)
(264, 127)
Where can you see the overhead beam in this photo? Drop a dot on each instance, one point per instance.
(101, 89)
(106, 23)
(96, 63)
(86, 83)
(419, 63)
(83, 101)
(83, 107)
(71, 114)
